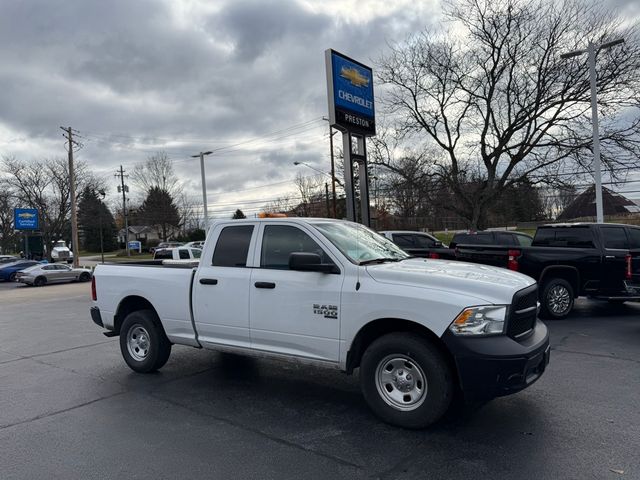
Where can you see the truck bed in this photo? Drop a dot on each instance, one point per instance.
(167, 286)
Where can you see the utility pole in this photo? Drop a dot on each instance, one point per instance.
(72, 192)
(326, 196)
(125, 214)
(204, 189)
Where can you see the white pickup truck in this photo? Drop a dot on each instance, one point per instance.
(337, 294)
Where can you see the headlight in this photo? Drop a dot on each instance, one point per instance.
(483, 320)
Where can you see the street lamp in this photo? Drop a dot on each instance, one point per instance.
(591, 51)
(204, 188)
(102, 194)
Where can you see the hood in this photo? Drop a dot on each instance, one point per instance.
(487, 284)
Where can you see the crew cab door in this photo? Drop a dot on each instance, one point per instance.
(221, 287)
(615, 249)
(294, 312)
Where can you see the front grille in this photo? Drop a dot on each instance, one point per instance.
(522, 317)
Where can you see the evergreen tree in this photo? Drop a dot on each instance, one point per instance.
(238, 214)
(93, 214)
(160, 211)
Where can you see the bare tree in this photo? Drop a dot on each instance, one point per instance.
(494, 96)
(308, 188)
(8, 238)
(157, 172)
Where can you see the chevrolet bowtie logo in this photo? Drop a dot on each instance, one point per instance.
(354, 76)
(26, 215)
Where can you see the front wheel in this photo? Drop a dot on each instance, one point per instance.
(406, 380)
(84, 277)
(143, 343)
(557, 298)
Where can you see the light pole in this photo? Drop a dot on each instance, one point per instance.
(591, 51)
(204, 188)
(102, 194)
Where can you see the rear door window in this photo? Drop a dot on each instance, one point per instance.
(232, 247)
(503, 238)
(634, 237)
(615, 238)
(403, 241)
(423, 241)
(163, 255)
(184, 254)
(571, 237)
(523, 240)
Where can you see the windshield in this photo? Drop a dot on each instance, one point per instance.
(359, 243)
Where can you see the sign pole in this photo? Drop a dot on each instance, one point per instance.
(363, 176)
(348, 177)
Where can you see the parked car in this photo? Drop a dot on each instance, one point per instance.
(568, 261)
(335, 294)
(490, 237)
(165, 245)
(8, 271)
(8, 259)
(199, 244)
(39, 275)
(419, 244)
(180, 253)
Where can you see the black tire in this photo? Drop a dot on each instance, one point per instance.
(144, 326)
(557, 299)
(39, 281)
(12, 277)
(424, 359)
(84, 277)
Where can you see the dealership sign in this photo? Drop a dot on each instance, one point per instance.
(25, 219)
(350, 88)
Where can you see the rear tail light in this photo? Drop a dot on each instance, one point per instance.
(627, 274)
(433, 255)
(512, 263)
(94, 295)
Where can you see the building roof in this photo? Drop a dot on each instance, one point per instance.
(585, 205)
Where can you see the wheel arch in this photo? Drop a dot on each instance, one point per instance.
(130, 304)
(382, 326)
(565, 272)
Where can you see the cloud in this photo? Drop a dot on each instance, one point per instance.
(186, 76)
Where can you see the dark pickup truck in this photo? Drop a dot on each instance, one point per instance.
(571, 260)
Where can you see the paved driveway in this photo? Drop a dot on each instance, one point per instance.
(71, 409)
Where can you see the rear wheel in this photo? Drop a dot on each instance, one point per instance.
(84, 277)
(143, 343)
(406, 380)
(557, 298)
(12, 277)
(39, 281)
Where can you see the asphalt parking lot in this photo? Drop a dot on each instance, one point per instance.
(71, 409)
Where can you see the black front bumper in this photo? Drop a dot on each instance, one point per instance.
(494, 366)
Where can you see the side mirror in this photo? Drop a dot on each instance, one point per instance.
(310, 262)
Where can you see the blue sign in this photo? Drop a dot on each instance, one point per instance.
(25, 219)
(135, 245)
(351, 102)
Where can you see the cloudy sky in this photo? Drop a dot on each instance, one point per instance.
(243, 78)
